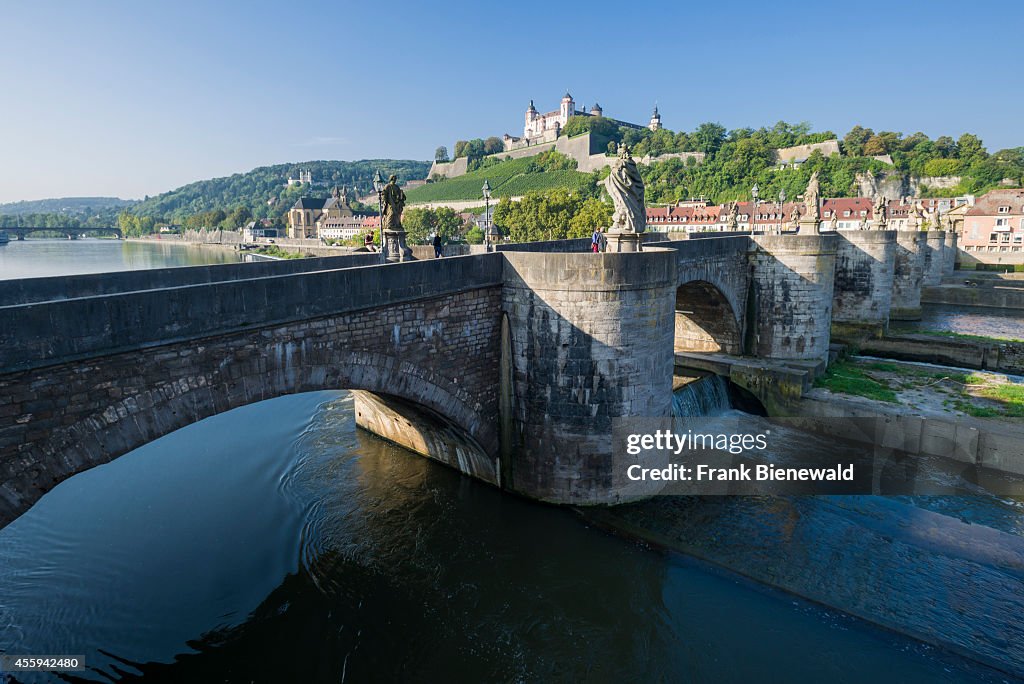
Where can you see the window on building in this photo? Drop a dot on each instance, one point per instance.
(846, 213)
(1001, 222)
(993, 237)
(1004, 210)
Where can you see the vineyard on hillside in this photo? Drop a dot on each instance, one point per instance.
(511, 178)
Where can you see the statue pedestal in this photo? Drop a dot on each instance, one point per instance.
(624, 242)
(808, 227)
(395, 249)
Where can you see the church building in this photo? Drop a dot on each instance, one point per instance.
(315, 217)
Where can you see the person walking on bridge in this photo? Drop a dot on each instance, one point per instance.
(437, 246)
(595, 240)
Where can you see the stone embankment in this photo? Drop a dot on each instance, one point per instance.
(1003, 356)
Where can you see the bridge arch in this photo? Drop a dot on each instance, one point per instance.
(251, 374)
(706, 320)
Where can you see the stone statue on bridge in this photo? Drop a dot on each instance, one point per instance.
(392, 200)
(878, 212)
(812, 197)
(734, 217)
(393, 203)
(915, 216)
(626, 188)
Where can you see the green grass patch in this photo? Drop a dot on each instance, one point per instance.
(1010, 395)
(275, 251)
(510, 178)
(848, 377)
(976, 338)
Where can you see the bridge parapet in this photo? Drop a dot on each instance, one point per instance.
(29, 290)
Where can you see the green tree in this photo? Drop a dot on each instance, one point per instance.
(441, 154)
(593, 213)
(493, 145)
(448, 224)
(709, 137)
(475, 235)
(419, 224)
(970, 148)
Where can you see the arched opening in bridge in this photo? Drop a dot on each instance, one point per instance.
(705, 321)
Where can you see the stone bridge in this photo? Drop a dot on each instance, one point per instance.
(509, 366)
(72, 233)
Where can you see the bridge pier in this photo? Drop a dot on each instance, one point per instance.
(792, 287)
(934, 262)
(591, 341)
(865, 260)
(908, 275)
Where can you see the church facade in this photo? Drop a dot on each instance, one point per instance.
(317, 217)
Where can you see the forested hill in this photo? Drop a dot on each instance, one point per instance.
(75, 206)
(264, 191)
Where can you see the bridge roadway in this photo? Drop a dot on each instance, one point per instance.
(527, 354)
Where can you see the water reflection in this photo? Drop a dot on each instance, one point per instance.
(278, 543)
(37, 258)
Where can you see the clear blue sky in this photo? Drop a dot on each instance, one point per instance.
(134, 98)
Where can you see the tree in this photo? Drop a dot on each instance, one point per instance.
(475, 235)
(460, 148)
(493, 145)
(419, 224)
(970, 148)
(854, 141)
(593, 213)
(441, 154)
(447, 223)
(709, 137)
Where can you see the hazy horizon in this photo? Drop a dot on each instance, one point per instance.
(128, 101)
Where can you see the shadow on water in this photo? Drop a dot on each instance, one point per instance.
(265, 545)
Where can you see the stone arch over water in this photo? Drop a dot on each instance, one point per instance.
(706, 320)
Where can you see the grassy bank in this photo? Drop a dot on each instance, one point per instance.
(978, 394)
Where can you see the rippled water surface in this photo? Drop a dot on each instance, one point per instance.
(966, 320)
(37, 258)
(278, 543)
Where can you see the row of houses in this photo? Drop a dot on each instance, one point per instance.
(993, 222)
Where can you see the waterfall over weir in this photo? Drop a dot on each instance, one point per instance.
(703, 397)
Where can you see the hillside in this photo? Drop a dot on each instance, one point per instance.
(511, 178)
(254, 189)
(64, 205)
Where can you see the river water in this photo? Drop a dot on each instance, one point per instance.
(277, 542)
(37, 258)
(966, 320)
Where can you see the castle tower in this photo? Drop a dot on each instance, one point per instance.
(568, 107)
(531, 117)
(596, 110)
(655, 123)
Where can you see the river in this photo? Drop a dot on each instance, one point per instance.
(277, 542)
(37, 258)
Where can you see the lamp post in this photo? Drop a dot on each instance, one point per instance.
(782, 211)
(486, 190)
(378, 186)
(754, 194)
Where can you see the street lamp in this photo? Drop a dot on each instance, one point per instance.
(754, 193)
(486, 190)
(782, 211)
(378, 186)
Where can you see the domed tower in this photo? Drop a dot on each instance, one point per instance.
(655, 123)
(531, 117)
(568, 107)
(596, 110)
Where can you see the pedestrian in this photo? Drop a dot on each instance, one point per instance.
(437, 245)
(595, 240)
(603, 244)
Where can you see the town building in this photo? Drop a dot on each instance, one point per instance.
(255, 230)
(995, 223)
(323, 218)
(850, 213)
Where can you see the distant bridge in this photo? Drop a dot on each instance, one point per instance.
(71, 233)
(524, 357)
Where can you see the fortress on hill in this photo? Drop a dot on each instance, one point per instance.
(542, 128)
(543, 132)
